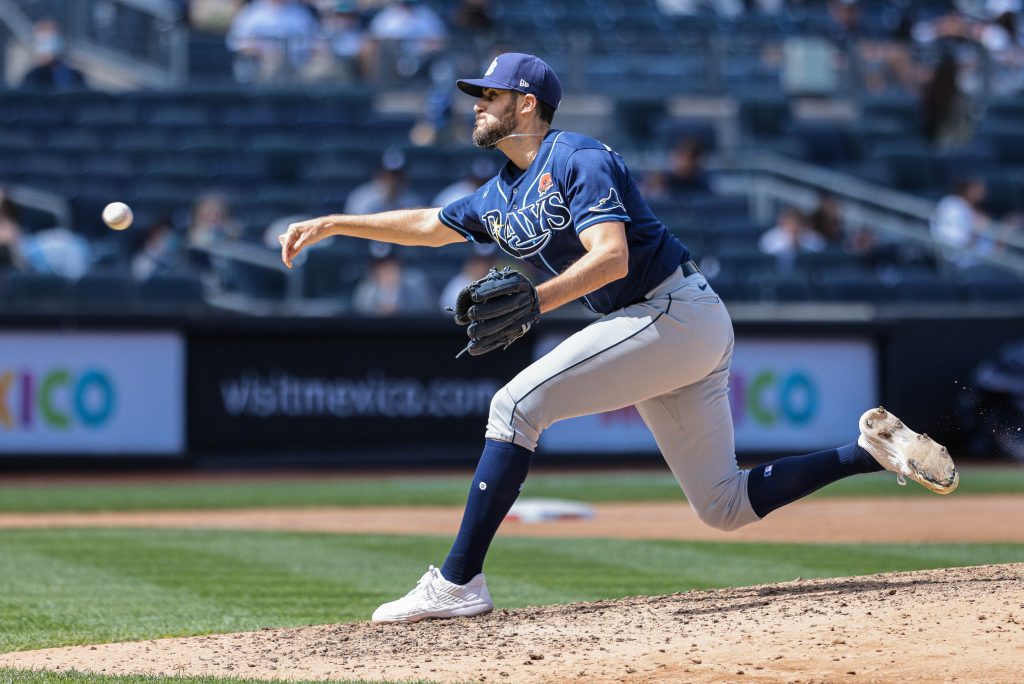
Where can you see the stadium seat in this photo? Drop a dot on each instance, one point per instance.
(718, 211)
(791, 287)
(671, 131)
(853, 285)
(1006, 141)
(986, 284)
(37, 292)
(108, 115)
(1005, 191)
(901, 109)
(924, 286)
(823, 142)
(143, 141)
(171, 292)
(113, 292)
(763, 118)
(960, 162)
(1008, 110)
(179, 116)
(909, 164)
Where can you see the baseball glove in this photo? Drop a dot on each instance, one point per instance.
(499, 309)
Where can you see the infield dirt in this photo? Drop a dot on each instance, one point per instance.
(960, 624)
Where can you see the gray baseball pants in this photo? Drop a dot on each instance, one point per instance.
(669, 355)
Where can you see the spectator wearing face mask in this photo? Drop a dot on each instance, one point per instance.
(50, 72)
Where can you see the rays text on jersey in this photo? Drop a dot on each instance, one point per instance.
(525, 231)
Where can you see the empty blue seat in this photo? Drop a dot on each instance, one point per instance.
(909, 164)
(1006, 141)
(108, 291)
(763, 117)
(37, 292)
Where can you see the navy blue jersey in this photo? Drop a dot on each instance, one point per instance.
(575, 182)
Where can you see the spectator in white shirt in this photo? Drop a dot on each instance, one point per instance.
(415, 29)
(791, 236)
(958, 221)
(271, 39)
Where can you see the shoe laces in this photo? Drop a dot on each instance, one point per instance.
(426, 583)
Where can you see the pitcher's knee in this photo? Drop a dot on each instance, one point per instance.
(508, 422)
(722, 518)
(726, 507)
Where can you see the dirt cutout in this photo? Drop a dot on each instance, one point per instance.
(917, 520)
(963, 624)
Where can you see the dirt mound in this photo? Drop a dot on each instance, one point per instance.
(960, 623)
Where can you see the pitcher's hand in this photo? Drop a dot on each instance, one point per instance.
(300, 235)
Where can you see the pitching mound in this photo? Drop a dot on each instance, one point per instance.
(961, 623)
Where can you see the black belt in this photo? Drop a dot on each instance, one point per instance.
(689, 268)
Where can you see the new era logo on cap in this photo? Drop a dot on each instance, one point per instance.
(520, 72)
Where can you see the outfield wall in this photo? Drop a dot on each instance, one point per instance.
(361, 391)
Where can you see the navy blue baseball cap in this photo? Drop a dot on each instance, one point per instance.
(520, 72)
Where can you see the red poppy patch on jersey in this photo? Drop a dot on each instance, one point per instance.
(544, 184)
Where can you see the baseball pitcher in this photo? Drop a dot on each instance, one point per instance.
(569, 205)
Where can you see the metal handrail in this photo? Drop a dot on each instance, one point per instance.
(41, 200)
(774, 179)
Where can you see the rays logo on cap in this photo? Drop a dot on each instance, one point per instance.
(490, 69)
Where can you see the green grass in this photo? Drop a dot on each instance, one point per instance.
(62, 587)
(427, 491)
(48, 677)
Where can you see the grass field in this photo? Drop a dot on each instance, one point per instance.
(85, 586)
(428, 491)
(78, 586)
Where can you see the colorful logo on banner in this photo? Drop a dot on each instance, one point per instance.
(771, 399)
(57, 399)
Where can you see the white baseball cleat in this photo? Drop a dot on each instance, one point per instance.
(435, 597)
(906, 453)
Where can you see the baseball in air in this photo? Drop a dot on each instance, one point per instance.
(118, 215)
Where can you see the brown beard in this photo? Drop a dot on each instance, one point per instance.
(488, 138)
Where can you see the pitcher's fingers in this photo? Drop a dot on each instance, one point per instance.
(286, 248)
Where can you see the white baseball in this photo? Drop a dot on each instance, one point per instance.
(118, 215)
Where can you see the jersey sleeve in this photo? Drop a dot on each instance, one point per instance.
(594, 183)
(463, 216)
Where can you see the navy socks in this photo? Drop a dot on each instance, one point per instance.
(773, 485)
(499, 477)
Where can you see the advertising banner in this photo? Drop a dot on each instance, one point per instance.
(91, 393)
(785, 394)
(365, 389)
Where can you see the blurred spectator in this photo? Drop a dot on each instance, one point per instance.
(387, 191)
(475, 267)
(473, 16)
(10, 235)
(390, 289)
(271, 39)
(481, 171)
(57, 251)
(50, 72)
(958, 221)
(945, 110)
(723, 8)
(415, 30)
(345, 44)
(162, 251)
(790, 237)
(684, 176)
(212, 222)
(213, 16)
(827, 219)
(434, 127)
